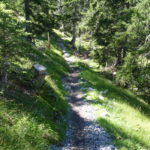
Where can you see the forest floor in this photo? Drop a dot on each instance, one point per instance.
(83, 132)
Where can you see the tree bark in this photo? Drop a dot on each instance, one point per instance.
(5, 77)
(49, 40)
(124, 52)
(27, 17)
(79, 36)
(73, 36)
(119, 56)
(5, 65)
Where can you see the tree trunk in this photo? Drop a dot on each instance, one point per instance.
(124, 52)
(5, 68)
(27, 17)
(79, 36)
(5, 77)
(49, 40)
(119, 56)
(73, 36)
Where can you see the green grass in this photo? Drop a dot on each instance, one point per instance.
(29, 120)
(128, 117)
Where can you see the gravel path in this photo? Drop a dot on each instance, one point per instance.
(83, 132)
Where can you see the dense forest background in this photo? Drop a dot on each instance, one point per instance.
(116, 33)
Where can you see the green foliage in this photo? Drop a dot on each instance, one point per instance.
(43, 16)
(11, 32)
(121, 30)
(128, 116)
(32, 117)
(128, 71)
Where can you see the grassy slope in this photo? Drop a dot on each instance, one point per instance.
(30, 121)
(128, 117)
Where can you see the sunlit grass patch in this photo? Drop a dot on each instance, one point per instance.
(21, 129)
(65, 36)
(125, 116)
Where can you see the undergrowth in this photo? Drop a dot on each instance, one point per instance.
(32, 118)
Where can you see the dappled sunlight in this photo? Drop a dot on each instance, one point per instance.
(29, 114)
(56, 51)
(115, 92)
(126, 118)
(23, 63)
(124, 115)
(21, 121)
(62, 35)
(71, 59)
(53, 84)
(95, 95)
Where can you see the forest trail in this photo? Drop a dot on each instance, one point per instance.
(83, 132)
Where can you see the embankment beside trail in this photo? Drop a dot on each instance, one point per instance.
(31, 117)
